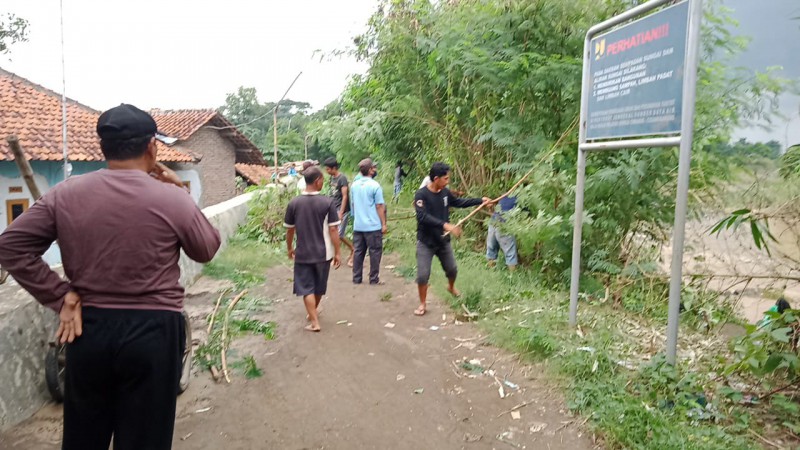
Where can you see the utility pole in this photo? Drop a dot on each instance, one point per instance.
(275, 135)
(275, 124)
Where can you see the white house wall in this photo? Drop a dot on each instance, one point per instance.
(193, 177)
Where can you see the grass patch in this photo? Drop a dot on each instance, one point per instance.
(609, 368)
(244, 261)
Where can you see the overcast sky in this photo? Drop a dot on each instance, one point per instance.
(190, 53)
(775, 34)
(187, 53)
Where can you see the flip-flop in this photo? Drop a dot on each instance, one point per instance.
(420, 312)
(311, 328)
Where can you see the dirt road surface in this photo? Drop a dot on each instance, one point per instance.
(362, 383)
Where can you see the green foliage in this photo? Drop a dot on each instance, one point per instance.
(768, 347)
(758, 224)
(254, 326)
(265, 215)
(248, 367)
(534, 342)
(790, 163)
(240, 322)
(489, 87)
(13, 29)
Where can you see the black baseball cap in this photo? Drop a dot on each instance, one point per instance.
(125, 122)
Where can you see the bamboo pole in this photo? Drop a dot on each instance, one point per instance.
(214, 312)
(547, 155)
(223, 357)
(24, 166)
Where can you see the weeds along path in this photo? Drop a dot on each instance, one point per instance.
(376, 377)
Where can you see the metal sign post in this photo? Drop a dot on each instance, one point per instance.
(640, 80)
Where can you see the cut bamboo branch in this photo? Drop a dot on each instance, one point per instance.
(541, 160)
(214, 313)
(213, 369)
(24, 166)
(225, 333)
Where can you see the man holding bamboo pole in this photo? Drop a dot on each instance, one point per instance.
(432, 204)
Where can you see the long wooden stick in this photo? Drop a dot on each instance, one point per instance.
(225, 334)
(524, 177)
(214, 313)
(24, 166)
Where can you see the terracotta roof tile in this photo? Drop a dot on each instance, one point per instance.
(33, 114)
(183, 123)
(256, 173)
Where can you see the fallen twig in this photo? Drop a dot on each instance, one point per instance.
(763, 439)
(564, 425)
(521, 405)
(455, 369)
(775, 391)
(225, 333)
(469, 313)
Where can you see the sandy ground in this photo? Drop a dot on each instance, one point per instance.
(359, 384)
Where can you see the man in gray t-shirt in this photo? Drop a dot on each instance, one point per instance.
(340, 192)
(314, 219)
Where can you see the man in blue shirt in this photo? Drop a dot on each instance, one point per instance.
(369, 225)
(497, 240)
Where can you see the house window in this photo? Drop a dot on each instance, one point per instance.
(15, 190)
(15, 208)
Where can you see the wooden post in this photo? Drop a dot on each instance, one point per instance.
(24, 166)
(275, 136)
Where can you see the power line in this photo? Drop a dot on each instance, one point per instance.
(265, 114)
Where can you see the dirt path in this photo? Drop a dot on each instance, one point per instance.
(353, 385)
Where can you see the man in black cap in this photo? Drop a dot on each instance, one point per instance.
(120, 231)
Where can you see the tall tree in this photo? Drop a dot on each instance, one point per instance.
(13, 29)
(490, 86)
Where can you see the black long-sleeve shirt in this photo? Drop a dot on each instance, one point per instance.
(433, 211)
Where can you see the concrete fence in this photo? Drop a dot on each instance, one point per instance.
(26, 328)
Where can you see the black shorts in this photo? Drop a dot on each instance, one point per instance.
(311, 278)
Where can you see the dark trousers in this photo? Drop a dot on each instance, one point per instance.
(122, 379)
(364, 241)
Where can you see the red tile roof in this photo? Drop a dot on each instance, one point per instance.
(255, 173)
(183, 123)
(33, 114)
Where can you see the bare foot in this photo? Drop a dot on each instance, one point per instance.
(319, 312)
(454, 291)
(420, 311)
(312, 328)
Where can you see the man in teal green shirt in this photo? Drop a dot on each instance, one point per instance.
(369, 225)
